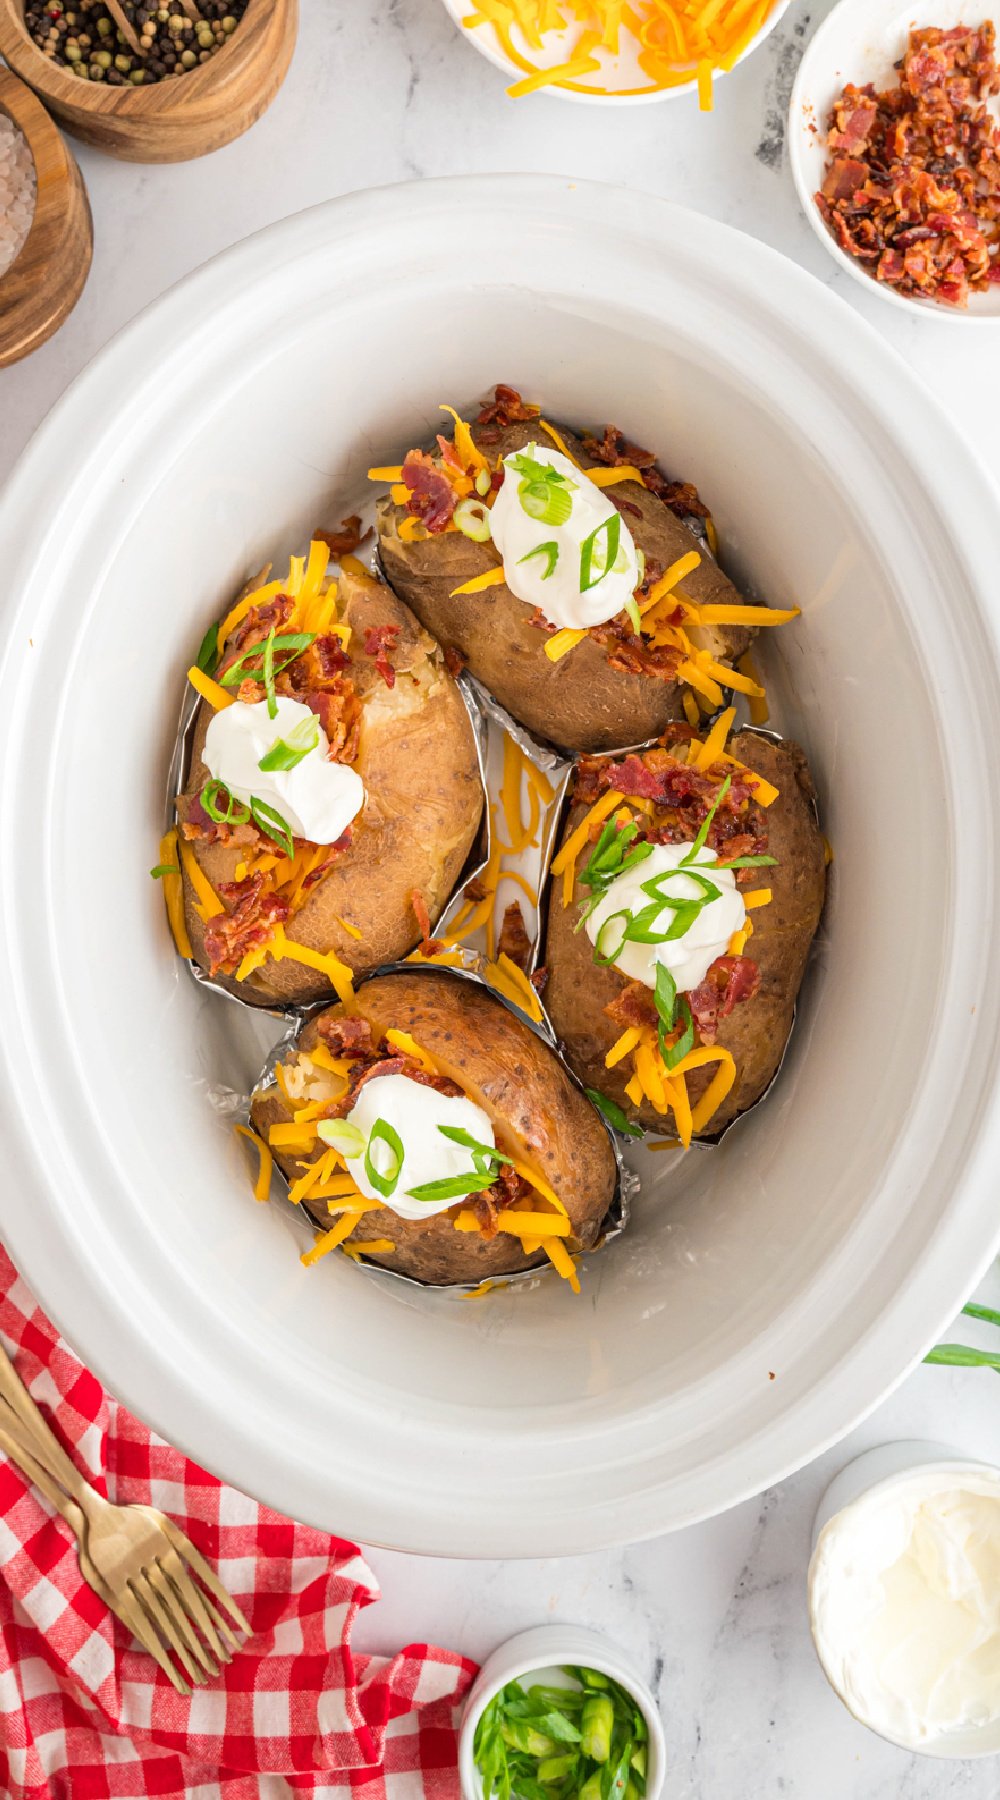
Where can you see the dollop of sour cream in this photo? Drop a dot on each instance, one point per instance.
(415, 1112)
(542, 559)
(690, 956)
(904, 1592)
(317, 798)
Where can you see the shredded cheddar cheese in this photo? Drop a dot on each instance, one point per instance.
(209, 689)
(561, 642)
(328, 1240)
(559, 441)
(604, 478)
(759, 710)
(510, 981)
(208, 905)
(479, 583)
(262, 1185)
(669, 43)
(561, 1260)
(173, 893)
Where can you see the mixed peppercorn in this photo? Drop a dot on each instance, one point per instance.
(173, 39)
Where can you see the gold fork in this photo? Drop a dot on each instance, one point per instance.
(134, 1558)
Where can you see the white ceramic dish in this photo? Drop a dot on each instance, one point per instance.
(835, 1233)
(859, 41)
(878, 1470)
(547, 1647)
(621, 73)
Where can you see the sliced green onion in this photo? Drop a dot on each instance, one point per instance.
(665, 995)
(644, 928)
(292, 641)
(341, 1135)
(287, 753)
(702, 838)
(452, 1187)
(677, 1052)
(272, 824)
(709, 891)
(545, 493)
(549, 550)
(635, 617)
(268, 676)
(473, 521)
(162, 869)
(456, 1135)
(611, 530)
(208, 655)
(606, 947)
(384, 1181)
(484, 481)
(235, 812)
(747, 862)
(610, 1110)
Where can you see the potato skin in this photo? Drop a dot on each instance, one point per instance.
(579, 702)
(418, 761)
(757, 1030)
(535, 1109)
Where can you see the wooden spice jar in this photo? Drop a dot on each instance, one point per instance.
(172, 120)
(46, 278)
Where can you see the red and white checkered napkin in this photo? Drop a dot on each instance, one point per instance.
(85, 1716)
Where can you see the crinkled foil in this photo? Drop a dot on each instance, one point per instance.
(626, 1182)
(475, 862)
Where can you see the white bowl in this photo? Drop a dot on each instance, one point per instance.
(832, 1236)
(622, 72)
(550, 1647)
(859, 41)
(876, 1472)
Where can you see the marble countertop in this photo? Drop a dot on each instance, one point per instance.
(383, 91)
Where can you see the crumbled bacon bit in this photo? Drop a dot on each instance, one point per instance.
(633, 1006)
(198, 827)
(345, 1036)
(682, 797)
(454, 661)
(249, 923)
(539, 980)
(253, 629)
(912, 189)
(379, 640)
(429, 946)
(340, 716)
(344, 542)
(506, 408)
(615, 450)
(431, 497)
(514, 940)
(729, 980)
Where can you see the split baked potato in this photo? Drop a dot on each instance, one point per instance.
(458, 1038)
(737, 1020)
(615, 685)
(282, 928)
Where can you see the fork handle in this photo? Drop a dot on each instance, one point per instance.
(14, 1447)
(31, 1427)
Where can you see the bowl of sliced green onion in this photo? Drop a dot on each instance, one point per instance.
(558, 1713)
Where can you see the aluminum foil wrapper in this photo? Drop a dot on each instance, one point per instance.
(471, 970)
(475, 862)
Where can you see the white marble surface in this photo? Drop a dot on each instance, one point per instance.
(383, 91)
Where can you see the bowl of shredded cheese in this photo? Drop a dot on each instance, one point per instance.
(614, 52)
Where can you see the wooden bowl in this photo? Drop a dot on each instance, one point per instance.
(46, 278)
(173, 119)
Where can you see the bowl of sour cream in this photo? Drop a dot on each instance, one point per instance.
(904, 1597)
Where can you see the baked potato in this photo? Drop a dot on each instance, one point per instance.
(730, 1029)
(281, 917)
(616, 683)
(459, 1045)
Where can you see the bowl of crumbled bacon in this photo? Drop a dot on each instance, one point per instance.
(616, 54)
(895, 150)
